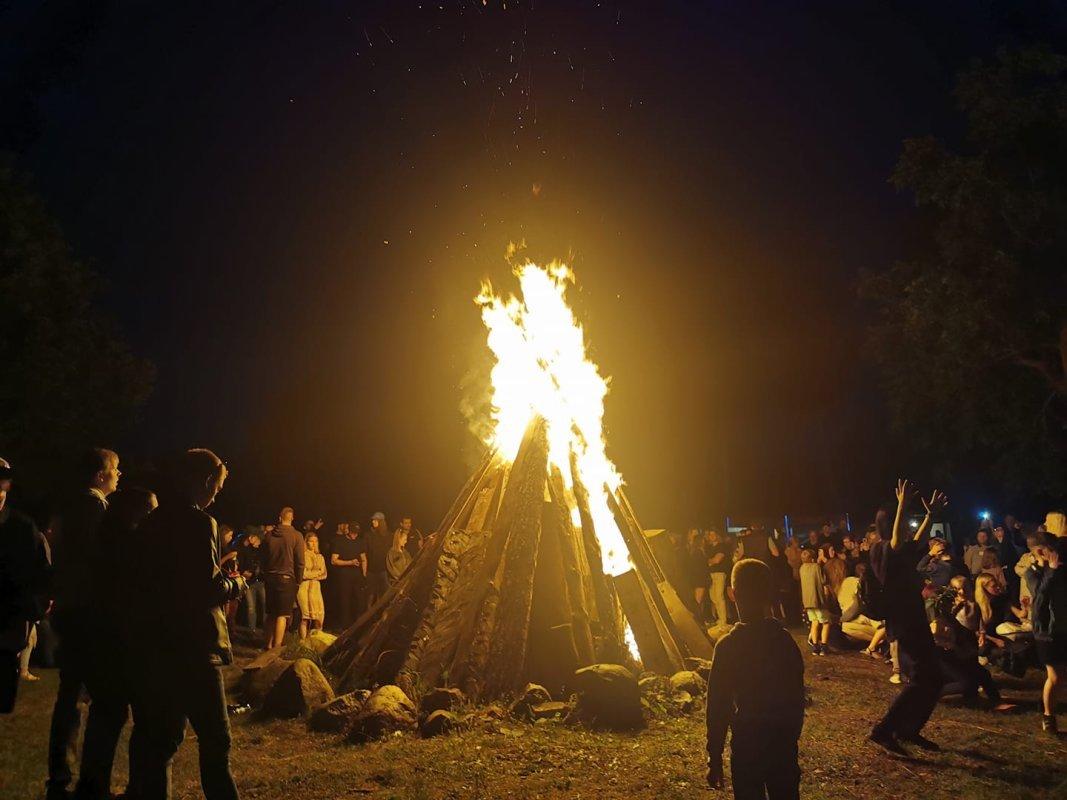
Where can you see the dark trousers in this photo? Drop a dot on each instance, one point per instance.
(9, 680)
(169, 696)
(965, 677)
(377, 585)
(912, 708)
(73, 656)
(348, 586)
(768, 770)
(109, 691)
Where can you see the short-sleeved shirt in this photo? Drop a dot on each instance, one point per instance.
(714, 550)
(348, 549)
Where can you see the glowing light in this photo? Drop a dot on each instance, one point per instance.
(542, 368)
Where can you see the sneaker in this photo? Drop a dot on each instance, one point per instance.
(888, 743)
(820, 649)
(1048, 724)
(895, 678)
(922, 743)
(870, 654)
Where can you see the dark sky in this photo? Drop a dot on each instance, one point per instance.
(293, 205)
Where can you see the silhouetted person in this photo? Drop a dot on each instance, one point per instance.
(76, 555)
(25, 569)
(282, 563)
(348, 575)
(379, 540)
(905, 616)
(115, 668)
(180, 679)
(756, 690)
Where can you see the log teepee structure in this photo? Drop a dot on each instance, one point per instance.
(511, 589)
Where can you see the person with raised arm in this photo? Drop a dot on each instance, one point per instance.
(906, 619)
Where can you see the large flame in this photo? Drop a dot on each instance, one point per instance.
(542, 368)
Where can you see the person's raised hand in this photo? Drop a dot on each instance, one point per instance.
(1053, 557)
(905, 492)
(937, 502)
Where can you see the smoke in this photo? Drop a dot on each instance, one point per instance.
(475, 404)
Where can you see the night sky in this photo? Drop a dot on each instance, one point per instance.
(293, 205)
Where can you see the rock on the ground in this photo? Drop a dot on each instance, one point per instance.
(608, 697)
(533, 694)
(439, 722)
(688, 681)
(653, 684)
(441, 699)
(549, 710)
(701, 666)
(388, 709)
(319, 642)
(261, 674)
(336, 715)
(683, 702)
(299, 689)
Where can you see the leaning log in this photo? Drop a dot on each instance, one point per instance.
(659, 653)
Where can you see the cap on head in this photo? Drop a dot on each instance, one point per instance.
(378, 515)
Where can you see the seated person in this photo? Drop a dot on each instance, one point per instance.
(855, 625)
(957, 654)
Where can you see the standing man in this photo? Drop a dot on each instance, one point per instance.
(255, 596)
(25, 567)
(379, 540)
(348, 575)
(906, 620)
(79, 563)
(413, 534)
(283, 570)
(180, 677)
(719, 566)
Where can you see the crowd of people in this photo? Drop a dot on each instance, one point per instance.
(149, 643)
(997, 600)
(319, 581)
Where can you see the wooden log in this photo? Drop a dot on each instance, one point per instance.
(574, 572)
(551, 655)
(522, 497)
(497, 653)
(372, 649)
(606, 622)
(683, 627)
(659, 653)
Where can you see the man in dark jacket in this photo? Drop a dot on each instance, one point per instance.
(181, 680)
(77, 557)
(25, 567)
(282, 563)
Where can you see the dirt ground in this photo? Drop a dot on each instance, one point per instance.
(986, 756)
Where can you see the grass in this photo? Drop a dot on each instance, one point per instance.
(999, 757)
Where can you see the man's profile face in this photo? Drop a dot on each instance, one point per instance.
(937, 547)
(286, 517)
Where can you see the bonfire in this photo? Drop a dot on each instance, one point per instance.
(540, 567)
